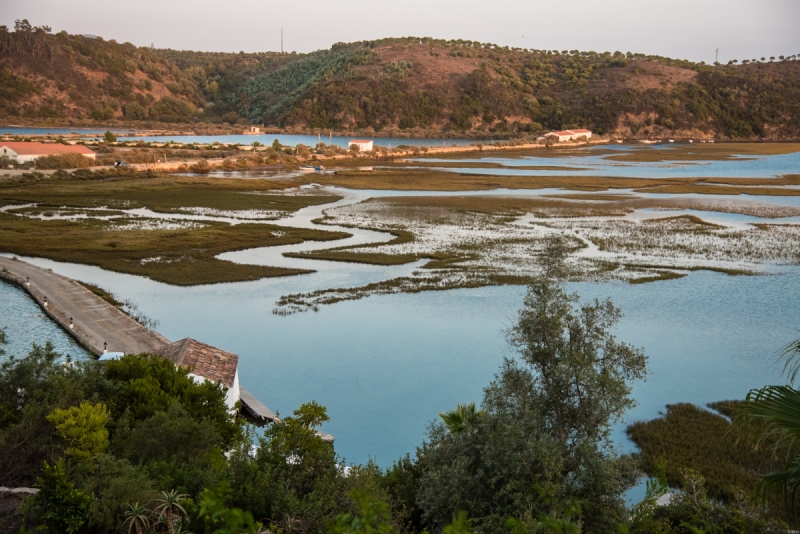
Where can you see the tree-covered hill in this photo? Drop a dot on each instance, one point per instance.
(410, 84)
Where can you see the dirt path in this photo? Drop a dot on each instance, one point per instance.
(95, 321)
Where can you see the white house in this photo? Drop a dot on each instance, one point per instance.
(22, 152)
(206, 363)
(362, 144)
(569, 135)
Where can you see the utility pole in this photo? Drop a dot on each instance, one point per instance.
(281, 39)
(717, 60)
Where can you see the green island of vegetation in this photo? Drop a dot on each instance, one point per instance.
(175, 252)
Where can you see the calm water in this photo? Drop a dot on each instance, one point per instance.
(384, 366)
(25, 323)
(309, 140)
(598, 165)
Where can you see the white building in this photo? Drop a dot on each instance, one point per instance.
(362, 144)
(569, 135)
(24, 152)
(206, 363)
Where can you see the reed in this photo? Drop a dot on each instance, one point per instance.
(183, 256)
(688, 436)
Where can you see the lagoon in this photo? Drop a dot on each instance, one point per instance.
(384, 366)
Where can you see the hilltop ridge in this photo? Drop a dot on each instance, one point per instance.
(402, 85)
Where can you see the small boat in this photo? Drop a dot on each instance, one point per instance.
(311, 168)
(672, 140)
(691, 141)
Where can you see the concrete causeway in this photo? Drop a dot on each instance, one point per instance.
(95, 321)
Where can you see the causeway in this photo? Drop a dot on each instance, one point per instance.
(95, 323)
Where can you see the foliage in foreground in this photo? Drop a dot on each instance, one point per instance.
(706, 441)
(138, 445)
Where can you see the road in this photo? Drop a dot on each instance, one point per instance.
(95, 321)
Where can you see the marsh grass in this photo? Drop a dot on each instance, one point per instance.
(493, 205)
(693, 268)
(659, 276)
(161, 193)
(433, 180)
(181, 257)
(701, 152)
(687, 436)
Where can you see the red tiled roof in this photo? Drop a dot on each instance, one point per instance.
(581, 131)
(361, 140)
(209, 362)
(49, 149)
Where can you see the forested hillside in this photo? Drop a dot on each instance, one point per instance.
(409, 84)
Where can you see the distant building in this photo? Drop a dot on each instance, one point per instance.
(21, 152)
(254, 130)
(569, 135)
(361, 144)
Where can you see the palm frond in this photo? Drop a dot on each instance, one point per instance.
(791, 353)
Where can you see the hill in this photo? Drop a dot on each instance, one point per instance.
(412, 85)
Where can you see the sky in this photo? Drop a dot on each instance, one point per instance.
(682, 29)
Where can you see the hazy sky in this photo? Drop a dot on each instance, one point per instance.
(688, 29)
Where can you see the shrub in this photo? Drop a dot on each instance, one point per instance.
(64, 161)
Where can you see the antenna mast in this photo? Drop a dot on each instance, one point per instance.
(281, 39)
(717, 60)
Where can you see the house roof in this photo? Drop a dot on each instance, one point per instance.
(361, 140)
(205, 361)
(49, 149)
(581, 131)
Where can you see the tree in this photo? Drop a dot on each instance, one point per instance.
(458, 419)
(134, 111)
(543, 436)
(109, 136)
(60, 506)
(137, 517)
(170, 506)
(83, 428)
(779, 407)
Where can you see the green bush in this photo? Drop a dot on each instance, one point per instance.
(64, 161)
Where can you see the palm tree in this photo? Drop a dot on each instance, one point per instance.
(457, 420)
(779, 408)
(168, 507)
(138, 517)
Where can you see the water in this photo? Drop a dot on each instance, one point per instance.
(25, 323)
(384, 366)
(308, 140)
(598, 165)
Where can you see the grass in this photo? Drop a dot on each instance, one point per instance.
(705, 189)
(372, 258)
(181, 257)
(700, 152)
(659, 276)
(410, 179)
(162, 193)
(474, 165)
(694, 268)
(688, 436)
(494, 205)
